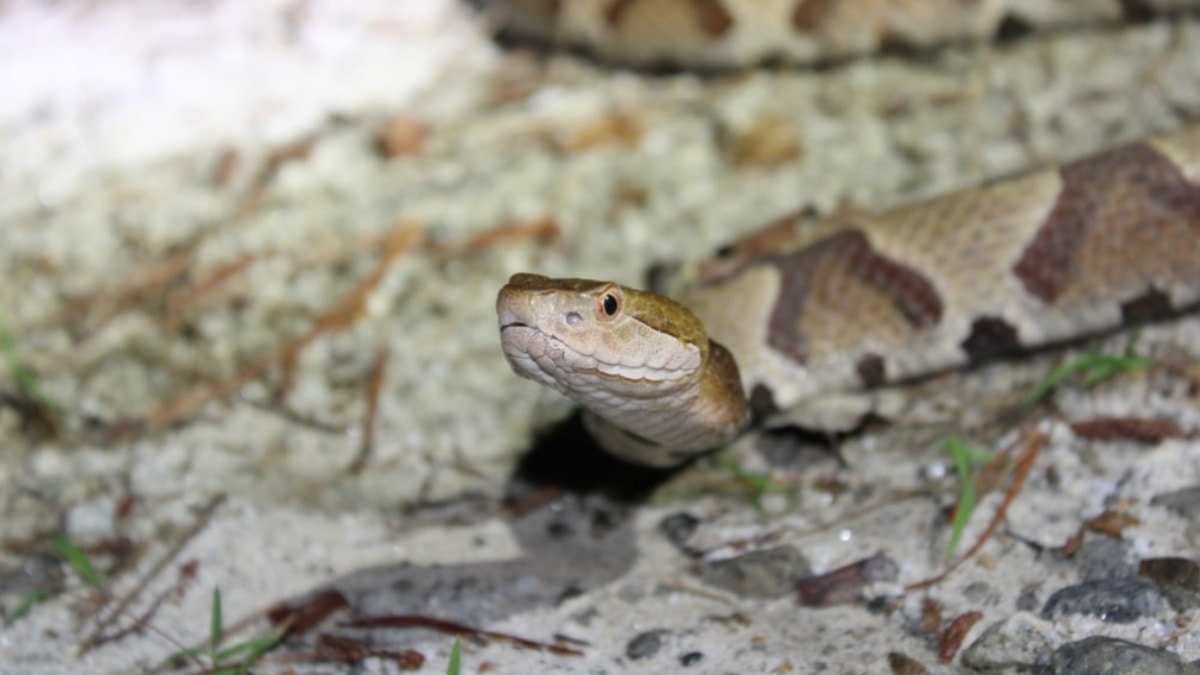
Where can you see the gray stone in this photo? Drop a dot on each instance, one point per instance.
(1177, 578)
(1099, 655)
(644, 645)
(1020, 641)
(770, 573)
(1119, 600)
(978, 592)
(1105, 558)
(678, 528)
(1185, 502)
(1027, 601)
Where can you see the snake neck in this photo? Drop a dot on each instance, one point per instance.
(669, 430)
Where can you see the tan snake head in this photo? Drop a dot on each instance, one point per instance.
(657, 390)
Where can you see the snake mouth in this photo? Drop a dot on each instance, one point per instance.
(510, 318)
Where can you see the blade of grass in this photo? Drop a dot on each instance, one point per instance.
(252, 649)
(455, 664)
(247, 652)
(756, 484)
(28, 603)
(1033, 443)
(963, 455)
(79, 561)
(1095, 368)
(261, 646)
(188, 653)
(25, 378)
(216, 623)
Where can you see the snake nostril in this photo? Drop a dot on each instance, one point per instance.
(573, 318)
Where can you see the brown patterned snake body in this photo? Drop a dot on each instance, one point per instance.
(871, 299)
(1038, 259)
(737, 33)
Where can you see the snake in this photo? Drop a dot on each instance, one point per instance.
(787, 319)
(868, 299)
(722, 34)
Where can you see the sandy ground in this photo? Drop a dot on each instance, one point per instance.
(251, 252)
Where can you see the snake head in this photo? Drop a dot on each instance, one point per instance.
(640, 362)
(573, 333)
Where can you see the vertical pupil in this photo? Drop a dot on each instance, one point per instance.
(610, 305)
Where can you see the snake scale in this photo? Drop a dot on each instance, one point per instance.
(783, 320)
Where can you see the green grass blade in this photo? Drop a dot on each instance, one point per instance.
(79, 561)
(183, 654)
(1094, 368)
(757, 484)
(260, 647)
(216, 623)
(25, 378)
(455, 664)
(249, 650)
(963, 455)
(28, 603)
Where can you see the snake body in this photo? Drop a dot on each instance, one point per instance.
(1048, 256)
(736, 33)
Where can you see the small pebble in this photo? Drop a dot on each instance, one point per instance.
(1178, 579)
(902, 664)
(1027, 601)
(1185, 502)
(92, 521)
(1105, 558)
(645, 645)
(1119, 600)
(1020, 641)
(1099, 655)
(977, 592)
(678, 528)
(770, 573)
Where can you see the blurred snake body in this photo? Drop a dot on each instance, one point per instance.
(723, 34)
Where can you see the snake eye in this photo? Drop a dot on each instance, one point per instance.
(609, 305)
